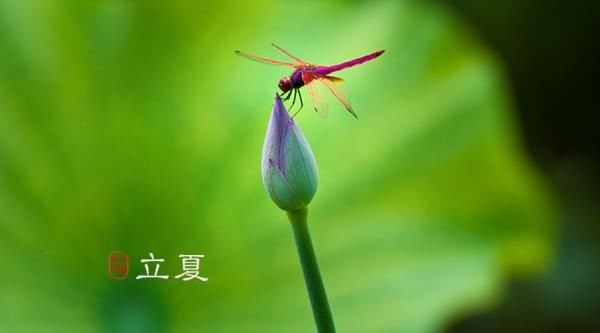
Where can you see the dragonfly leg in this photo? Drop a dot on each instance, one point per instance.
(294, 99)
(284, 97)
(301, 104)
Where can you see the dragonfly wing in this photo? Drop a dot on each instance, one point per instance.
(299, 61)
(265, 60)
(338, 88)
(315, 90)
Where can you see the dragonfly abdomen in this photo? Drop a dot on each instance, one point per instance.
(325, 70)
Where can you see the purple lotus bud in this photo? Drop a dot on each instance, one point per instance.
(289, 169)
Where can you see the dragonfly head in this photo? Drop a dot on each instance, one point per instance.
(285, 84)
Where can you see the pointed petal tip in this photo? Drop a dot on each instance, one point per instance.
(280, 110)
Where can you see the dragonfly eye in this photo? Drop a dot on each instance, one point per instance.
(285, 84)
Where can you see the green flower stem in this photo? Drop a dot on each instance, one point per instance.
(312, 276)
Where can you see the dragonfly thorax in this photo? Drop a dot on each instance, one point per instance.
(285, 84)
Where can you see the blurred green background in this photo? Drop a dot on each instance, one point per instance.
(132, 126)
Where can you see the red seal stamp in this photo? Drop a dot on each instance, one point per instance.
(118, 265)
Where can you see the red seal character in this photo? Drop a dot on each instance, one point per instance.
(118, 265)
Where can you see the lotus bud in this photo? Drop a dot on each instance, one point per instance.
(289, 169)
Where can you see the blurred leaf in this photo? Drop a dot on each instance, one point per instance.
(133, 126)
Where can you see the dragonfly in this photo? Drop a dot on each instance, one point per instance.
(314, 78)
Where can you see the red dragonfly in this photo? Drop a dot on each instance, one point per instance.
(306, 74)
